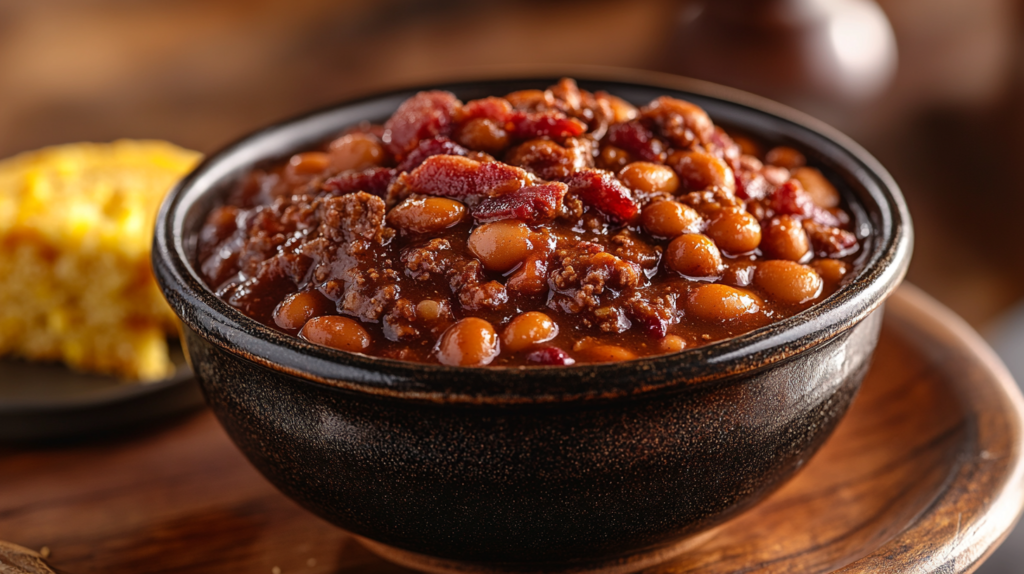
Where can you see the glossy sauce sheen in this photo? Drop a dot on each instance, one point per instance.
(546, 227)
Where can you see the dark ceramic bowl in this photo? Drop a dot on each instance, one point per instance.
(608, 466)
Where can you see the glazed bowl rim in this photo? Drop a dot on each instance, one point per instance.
(203, 313)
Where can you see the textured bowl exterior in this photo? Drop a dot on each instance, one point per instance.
(550, 467)
(534, 483)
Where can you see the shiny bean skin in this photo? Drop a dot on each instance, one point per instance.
(786, 157)
(309, 163)
(607, 354)
(694, 255)
(471, 342)
(784, 238)
(485, 135)
(613, 158)
(649, 177)
(787, 281)
(821, 190)
(501, 245)
(294, 310)
(672, 344)
(734, 231)
(429, 310)
(338, 332)
(699, 170)
(715, 302)
(670, 219)
(831, 271)
(527, 330)
(355, 151)
(426, 214)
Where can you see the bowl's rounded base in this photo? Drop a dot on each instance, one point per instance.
(619, 565)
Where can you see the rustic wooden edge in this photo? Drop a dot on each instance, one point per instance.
(16, 559)
(984, 497)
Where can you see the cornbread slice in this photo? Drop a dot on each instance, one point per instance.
(76, 224)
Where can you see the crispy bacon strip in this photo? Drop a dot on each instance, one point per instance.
(599, 189)
(463, 178)
(425, 115)
(531, 204)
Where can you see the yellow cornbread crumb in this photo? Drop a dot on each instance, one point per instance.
(76, 224)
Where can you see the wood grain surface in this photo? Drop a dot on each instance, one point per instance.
(924, 475)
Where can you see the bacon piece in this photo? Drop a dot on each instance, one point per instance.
(552, 124)
(551, 161)
(530, 204)
(492, 108)
(751, 185)
(637, 140)
(437, 145)
(791, 199)
(599, 189)
(422, 116)
(830, 241)
(374, 181)
(463, 178)
(550, 356)
(681, 122)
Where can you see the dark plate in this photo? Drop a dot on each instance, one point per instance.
(45, 401)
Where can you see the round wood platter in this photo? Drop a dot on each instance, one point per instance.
(925, 474)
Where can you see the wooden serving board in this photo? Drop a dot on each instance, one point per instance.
(925, 474)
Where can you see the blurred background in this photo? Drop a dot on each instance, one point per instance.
(933, 88)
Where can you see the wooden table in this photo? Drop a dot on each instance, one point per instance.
(925, 474)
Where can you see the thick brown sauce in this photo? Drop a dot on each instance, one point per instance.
(588, 257)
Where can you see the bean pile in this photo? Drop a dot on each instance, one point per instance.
(545, 227)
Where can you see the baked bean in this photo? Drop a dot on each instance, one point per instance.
(831, 271)
(531, 278)
(527, 330)
(483, 134)
(734, 231)
(821, 190)
(739, 273)
(700, 170)
(786, 157)
(613, 158)
(309, 163)
(669, 219)
(787, 281)
(694, 255)
(649, 177)
(784, 238)
(717, 302)
(426, 214)
(501, 245)
(429, 310)
(294, 310)
(355, 151)
(607, 354)
(470, 342)
(622, 111)
(672, 344)
(337, 332)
